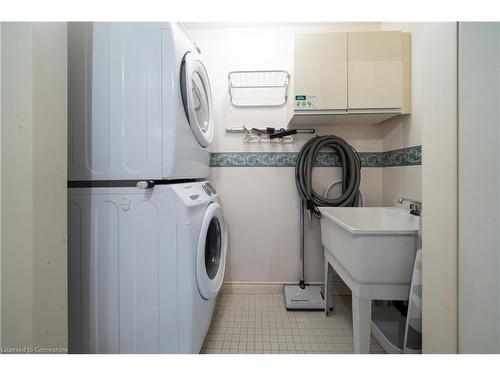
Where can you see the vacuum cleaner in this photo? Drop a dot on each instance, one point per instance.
(302, 296)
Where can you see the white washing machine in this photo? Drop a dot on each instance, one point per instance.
(145, 267)
(202, 241)
(140, 104)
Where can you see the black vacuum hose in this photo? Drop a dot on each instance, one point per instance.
(351, 173)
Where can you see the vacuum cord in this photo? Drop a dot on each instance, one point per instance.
(351, 173)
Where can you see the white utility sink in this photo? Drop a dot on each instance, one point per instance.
(373, 250)
(373, 244)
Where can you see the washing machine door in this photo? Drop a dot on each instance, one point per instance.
(197, 98)
(211, 254)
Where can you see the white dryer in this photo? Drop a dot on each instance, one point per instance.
(145, 267)
(140, 104)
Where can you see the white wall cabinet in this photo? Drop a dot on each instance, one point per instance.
(321, 68)
(352, 73)
(375, 70)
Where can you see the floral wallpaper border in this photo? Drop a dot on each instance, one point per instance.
(394, 158)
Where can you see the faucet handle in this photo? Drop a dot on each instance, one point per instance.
(412, 201)
(415, 206)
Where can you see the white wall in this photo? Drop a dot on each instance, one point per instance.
(433, 123)
(479, 186)
(17, 197)
(261, 204)
(405, 131)
(439, 188)
(0, 184)
(33, 193)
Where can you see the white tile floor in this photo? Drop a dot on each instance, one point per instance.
(259, 323)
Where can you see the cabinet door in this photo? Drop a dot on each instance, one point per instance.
(321, 69)
(375, 76)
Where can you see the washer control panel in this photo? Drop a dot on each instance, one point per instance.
(193, 194)
(209, 189)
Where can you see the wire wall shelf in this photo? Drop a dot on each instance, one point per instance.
(258, 88)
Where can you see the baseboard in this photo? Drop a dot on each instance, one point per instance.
(251, 287)
(274, 287)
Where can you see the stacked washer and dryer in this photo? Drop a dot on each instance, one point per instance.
(147, 236)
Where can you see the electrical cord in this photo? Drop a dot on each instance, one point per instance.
(351, 173)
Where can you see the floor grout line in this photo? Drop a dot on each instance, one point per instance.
(260, 324)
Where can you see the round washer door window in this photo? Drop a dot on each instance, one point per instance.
(211, 254)
(197, 98)
(213, 247)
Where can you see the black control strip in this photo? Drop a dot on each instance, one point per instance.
(125, 183)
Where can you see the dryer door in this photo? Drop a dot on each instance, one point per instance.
(211, 254)
(197, 98)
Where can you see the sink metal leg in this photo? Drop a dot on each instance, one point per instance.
(361, 323)
(329, 303)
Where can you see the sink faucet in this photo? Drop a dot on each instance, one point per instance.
(415, 206)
